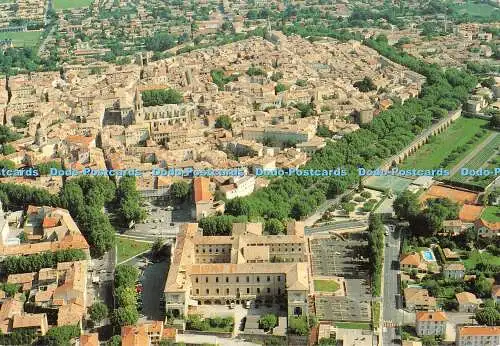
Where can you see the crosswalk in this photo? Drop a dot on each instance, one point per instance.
(390, 324)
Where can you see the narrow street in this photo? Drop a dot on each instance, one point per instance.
(391, 315)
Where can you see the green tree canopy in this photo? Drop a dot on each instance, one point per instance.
(268, 321)
(161, 97)
(98, 311)
(224, 121)
(488, 316)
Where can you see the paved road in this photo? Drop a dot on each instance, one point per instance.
(153, 281)
(473, 153)
(391, 315)
(208, 339)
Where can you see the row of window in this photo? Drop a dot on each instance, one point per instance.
(248, 290)
(268, 279)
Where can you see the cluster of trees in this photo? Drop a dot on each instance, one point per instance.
(7, 135)
(280, 88)
(376, 248)
(220, 79)
(60, 336)
(20, 121)
(365, 85)
(16, 196)
(85, 198)
(323, 131)
(196, 322)
(180, 190)
(24, 336)
(298, 325)
(126, 296)
(161, 97)
(255, 71)
(495, 121)
(428, 221)
(224, 122)
(490, 314)
(128, 201)
(219, 225)
(268, 321)
(7, 149)
(98, 311)
(160, 41)
(274, 227)
(305, 109)
(33, 263)
(10, 289)
(44, 168)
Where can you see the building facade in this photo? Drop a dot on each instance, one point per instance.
(242, 267)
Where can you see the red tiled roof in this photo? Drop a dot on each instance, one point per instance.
(201, 186)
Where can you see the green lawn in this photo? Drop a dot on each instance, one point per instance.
(22, 39)
(432, 154)
(478, 257)
(67, 4)
(128, 248)
(491, 214)
(353, 325)
(326, 285)
(476, 10)
(484, 159)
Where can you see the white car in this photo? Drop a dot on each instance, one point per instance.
(169, 208)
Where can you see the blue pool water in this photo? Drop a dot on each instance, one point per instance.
(428, 255)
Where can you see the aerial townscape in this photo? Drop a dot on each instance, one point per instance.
(250, 172)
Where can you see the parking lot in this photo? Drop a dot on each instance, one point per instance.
(161, 222)
(153, 281)
(344, 256)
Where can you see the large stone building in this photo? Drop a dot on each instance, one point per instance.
(478, 336)
(244, 266)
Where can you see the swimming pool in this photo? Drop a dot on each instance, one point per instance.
(429, 255)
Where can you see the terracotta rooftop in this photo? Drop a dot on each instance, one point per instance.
(466, 298)
(201, 186)
(91, 339)
(411, 259)
(437, 316)
(478, 331)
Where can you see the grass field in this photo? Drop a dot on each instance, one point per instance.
(491, 214)
(128, 248)
(67, 4)
(481, 257)
(326, 285)
(475, 10)
(353, 325)
(432, 154)
(481, 159)
(22, 39)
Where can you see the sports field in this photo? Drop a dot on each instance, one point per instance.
(22, 39)
(441, 147)
(488, 157)
(67, 4)
(381, 183)
(491, 214)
